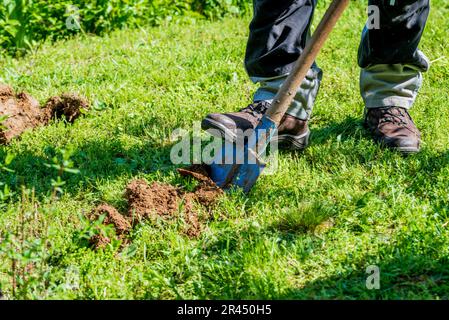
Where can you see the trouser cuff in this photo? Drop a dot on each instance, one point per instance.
(303, 102)
(385, 85)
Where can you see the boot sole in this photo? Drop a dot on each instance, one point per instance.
(405, 150)
(285, 141)
(292, 142)
(226, 133)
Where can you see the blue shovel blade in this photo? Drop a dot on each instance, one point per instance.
(240, 164)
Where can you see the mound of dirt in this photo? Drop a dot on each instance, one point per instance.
(99, 241)
(193, 229)
(145, 201)
(112, 216)
(207, 192)
(198, 172)
(161, 200)
(23, 112)
(68, 105)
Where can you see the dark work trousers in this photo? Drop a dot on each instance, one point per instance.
(391, 64)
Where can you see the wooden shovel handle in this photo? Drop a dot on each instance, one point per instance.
(290, 86)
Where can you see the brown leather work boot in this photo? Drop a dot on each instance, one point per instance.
(293, 133)
(393, 127)
(228, 123)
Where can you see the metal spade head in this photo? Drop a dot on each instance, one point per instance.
(240, 163)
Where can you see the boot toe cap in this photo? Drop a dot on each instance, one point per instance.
(403, 144)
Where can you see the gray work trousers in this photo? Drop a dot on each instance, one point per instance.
(391, 64)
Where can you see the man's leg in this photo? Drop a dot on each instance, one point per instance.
(391, 70)
(278, 34)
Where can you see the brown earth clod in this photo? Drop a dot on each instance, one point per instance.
(23, 112)
(112, 216)
(147, 201)
(198, 172)
(99, 241)
(6, 90)
(68, 105)
(193, 229)
(207, 191)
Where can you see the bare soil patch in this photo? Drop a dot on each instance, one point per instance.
(149, 201)
(23, 112)
(157, 199)
(111, 216)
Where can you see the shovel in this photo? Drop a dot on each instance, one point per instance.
(239, 164)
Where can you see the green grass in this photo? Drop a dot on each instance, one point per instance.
(308, 231)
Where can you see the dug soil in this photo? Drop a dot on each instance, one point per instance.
(147, 201)
(150, 201)
(21, 112)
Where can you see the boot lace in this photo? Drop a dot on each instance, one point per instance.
(393, 115)
(257, 109)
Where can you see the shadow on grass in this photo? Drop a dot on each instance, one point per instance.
(98, 160)
(349, 128)
(406, 275)
(408, 270)
(106, 159)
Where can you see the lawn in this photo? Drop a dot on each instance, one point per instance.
(310, 230)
